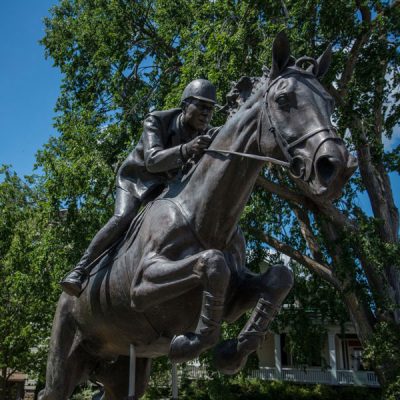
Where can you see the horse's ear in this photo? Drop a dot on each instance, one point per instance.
(280, 54)
(324, 61)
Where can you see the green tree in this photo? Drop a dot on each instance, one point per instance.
(25, 315)
(120, 58)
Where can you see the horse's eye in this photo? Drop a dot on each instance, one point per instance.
(282, 99)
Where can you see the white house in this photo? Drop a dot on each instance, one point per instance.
(342, 354)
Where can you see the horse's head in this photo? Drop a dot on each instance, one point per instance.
(298, 112)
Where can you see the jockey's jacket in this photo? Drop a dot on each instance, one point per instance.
(157, 157)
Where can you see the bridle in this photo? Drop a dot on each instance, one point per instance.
(299, 166)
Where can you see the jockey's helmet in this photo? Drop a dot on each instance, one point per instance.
(201, 89)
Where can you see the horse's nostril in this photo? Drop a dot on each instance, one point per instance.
(326, 169)
(297, 167)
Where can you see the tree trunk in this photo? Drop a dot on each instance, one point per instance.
(360, 314)
(3, 387)
(377, 183)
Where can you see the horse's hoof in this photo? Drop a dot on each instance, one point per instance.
(186, 347)
(227, 357)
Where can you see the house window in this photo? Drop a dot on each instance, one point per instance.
(285, 351)
(311, 357)
(352, 352)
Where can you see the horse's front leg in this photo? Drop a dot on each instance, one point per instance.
(267, 292)
(164, 279)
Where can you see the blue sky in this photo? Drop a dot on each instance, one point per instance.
(30, 86)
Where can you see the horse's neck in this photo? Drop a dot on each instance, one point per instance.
(220, 187)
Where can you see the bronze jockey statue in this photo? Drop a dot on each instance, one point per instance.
(169, 139)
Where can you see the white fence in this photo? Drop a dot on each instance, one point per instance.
(313, 375)
(309, 375)
(361, 378)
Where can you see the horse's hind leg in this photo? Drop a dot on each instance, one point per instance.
(115, 377)
(68, 363)
(266, 292)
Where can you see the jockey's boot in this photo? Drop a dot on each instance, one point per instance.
(72, 283)
(190, 345)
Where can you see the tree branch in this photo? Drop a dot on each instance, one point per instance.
(361, 40)
(336, 95)
(306, 231)
(10, 371)
(315, 267)
(360, 313)
(283, 192)
(395, 3)
(355, 50)
(336, 217)
(361, 316)
(327, 209)
(375, 185)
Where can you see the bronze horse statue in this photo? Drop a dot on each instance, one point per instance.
(180, 270)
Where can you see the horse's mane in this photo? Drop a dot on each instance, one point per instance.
(246, 86)
(241, 91)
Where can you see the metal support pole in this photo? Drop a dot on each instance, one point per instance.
(174, 381)
(132, 372)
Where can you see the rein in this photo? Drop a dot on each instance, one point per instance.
(252, 156)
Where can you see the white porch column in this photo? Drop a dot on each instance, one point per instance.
(332, 356)
(278, 356)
